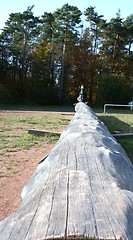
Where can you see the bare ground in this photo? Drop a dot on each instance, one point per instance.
(11, 184)
(17, 166)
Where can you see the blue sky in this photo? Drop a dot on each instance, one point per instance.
(108, 8)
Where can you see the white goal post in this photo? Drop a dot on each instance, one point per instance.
(116, 105)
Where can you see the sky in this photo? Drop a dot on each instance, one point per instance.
(108, 8)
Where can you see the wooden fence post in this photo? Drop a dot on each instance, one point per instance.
(82, 190)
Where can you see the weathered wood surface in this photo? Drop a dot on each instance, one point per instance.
(83, 189)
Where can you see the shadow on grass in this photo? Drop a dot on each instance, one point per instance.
(114, 125)
(112, 110)
(127, 144)
(35, 107)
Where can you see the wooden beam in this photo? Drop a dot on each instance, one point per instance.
(82, 190)
(42, 132)
(123, 134)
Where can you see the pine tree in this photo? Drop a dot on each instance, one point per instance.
(67, 20)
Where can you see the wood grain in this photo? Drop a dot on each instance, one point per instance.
(82, 190)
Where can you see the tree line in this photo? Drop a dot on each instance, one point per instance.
(45, 59)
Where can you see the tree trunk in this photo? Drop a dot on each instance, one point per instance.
(82, 190)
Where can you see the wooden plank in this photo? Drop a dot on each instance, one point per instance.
(123, 134)
(82, 190)
(43, 132)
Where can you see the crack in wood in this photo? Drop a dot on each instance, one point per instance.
(67, 211)
(52, 202)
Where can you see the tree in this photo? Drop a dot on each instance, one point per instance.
(113, 89)
(47, 40)
(128, 23)
(94, 37)
(113, 48)
(67, 20)
(20, 36)
(50, 57)
(128, 70)
(96, 24)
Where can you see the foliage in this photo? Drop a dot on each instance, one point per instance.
(117, 90)
(46, 59)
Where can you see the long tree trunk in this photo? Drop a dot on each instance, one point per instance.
(62, 72)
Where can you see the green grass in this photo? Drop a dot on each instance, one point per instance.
(14, 129)
(118, 122)
(25, 141)
(33, 119)
(123, 123)
(127, 144)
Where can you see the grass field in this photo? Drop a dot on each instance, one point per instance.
(14, 128)
(122, 123)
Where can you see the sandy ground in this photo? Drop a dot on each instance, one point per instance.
(12, 183)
